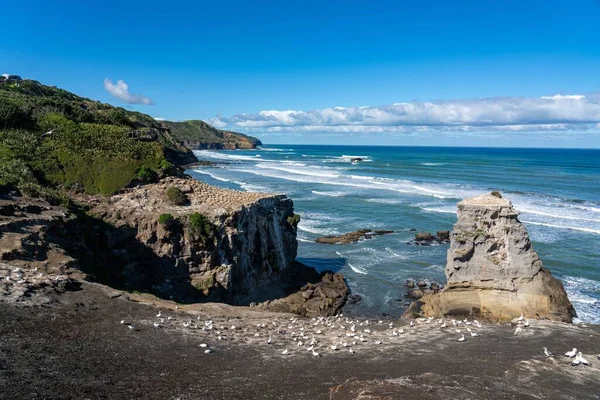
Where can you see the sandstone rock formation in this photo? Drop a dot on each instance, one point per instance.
(243, 242)
(241, 251)
(492, 270)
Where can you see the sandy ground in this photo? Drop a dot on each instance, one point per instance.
(76, 348)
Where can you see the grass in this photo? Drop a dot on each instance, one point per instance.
(89, 143)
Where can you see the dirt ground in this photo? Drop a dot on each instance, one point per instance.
(77, 348)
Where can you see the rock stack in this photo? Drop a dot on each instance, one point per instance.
(492, 270)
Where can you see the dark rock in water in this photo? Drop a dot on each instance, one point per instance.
(326, 296)
(443, 236)
(356, 159)
(410, 284)
(412, 230)
(415, 294)
(352, 237)
(354, 298)
(427, 239)
(435, 286)
(422, 284)
(424, 237)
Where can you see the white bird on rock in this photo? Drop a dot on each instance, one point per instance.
(157, 325)
(474, 334)
(548, 353)
(462, 338)
(521, 318)
(571, 353)
(284, 352)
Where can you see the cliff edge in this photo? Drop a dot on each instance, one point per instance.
(492, 270)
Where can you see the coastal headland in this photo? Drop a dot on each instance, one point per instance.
(100, 339)
(121, 277)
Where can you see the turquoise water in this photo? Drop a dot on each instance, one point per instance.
(404, 188)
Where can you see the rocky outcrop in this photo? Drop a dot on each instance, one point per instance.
(220, 245)
(428, 239)
(492, 270)
(352, 237)
(325, 294)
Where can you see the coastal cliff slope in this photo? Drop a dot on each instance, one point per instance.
(51, 139)
(197, 135)
(492, 270)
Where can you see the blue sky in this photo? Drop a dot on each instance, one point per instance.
(228, 62)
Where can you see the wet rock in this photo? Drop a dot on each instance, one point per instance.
(415, 294)
(424, 237)
(352, 237)
(410, 284)
(422, 284)
(435, 286)
(443, 236)
(354, 298)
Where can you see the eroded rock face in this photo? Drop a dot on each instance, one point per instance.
(492, 269)
(244, 245)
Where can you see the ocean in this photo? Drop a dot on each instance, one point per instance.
(557, 192)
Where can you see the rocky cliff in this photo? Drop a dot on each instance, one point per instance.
(211, 243)
(197, 135)
(492, 270)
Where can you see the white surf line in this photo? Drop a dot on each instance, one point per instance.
(563, 227)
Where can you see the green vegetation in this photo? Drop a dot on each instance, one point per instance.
(201, 226)
(52, 139)
(146, 175)
(294, 220)
(166, 219)
(176, 196)
(205, 284)
(196, 131)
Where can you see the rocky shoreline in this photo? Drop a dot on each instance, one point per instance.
(283, 335)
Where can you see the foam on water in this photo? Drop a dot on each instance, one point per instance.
(330, 194)
(334, 196)
(579, 291)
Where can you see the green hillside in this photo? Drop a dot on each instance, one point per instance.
(197, 134)
(52, 139)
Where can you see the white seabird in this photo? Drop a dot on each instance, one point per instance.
(284, 352)
(157, 325)
(581, 359)
(462, 338)
(207, 351)
(474, 334)
(571, 353)
(548, 353)
(521, 318)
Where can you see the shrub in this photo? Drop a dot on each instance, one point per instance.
(146, 175)
(176, 196)
(201, 226)
(293, 220)
(166, 219)
(164, 164)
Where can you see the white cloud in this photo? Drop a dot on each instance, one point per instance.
(120, 90)
(513, 114)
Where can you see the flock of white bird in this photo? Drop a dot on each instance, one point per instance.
(321, 335)
(317, 336)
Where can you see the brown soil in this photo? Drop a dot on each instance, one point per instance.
(75, 348)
